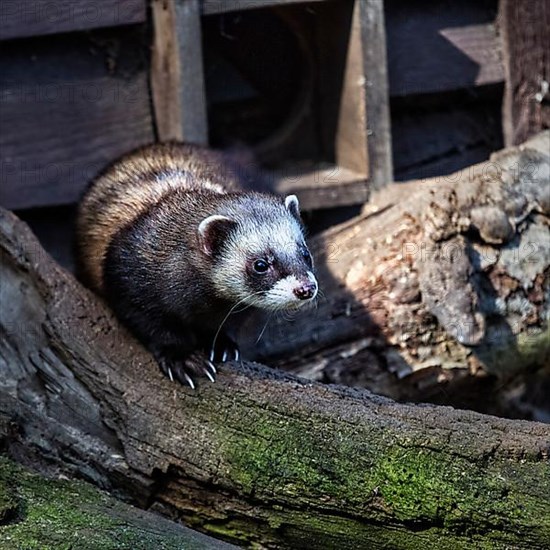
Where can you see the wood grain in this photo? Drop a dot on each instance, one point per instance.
(525, 28)
(177, 74)
(323, 187)
(211, 7)
(71, 107)
(372, 29)
(396, 303)
(258, 458)
(22, 18)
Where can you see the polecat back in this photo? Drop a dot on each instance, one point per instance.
(170, 238)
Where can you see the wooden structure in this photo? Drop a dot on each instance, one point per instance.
(526, 109)
(80, 86)
(75, 101)
(266, 464)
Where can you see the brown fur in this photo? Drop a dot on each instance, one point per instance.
(172, 236)
(135, 184)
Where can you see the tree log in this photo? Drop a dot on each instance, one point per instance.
(438, 280)
(260, 457)
(55, 514)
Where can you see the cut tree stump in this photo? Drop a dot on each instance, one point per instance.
(258, 458)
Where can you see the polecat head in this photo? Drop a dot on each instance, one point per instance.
(258, 251)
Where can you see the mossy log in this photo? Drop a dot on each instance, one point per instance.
(437, 280)
(258, 458)
(60, 514)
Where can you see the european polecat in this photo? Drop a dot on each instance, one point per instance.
(172, 241)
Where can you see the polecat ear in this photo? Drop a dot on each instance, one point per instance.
(212, 231)
(293, 206)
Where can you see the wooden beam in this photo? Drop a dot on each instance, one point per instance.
(370, 23)
(351, 145)
(444, 139)
(20, 18)
(355, 122)
(525, 34)
(324, 187)
(177, 76)
(211, 7)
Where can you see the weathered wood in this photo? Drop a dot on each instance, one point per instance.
(441, 46)
(449, 274)
(342, 76)
(344, 85)
(22, 18)
(355, 127)
(352, 82)
(258, 457)
(355, 117)
(68, 108)
(48, 514)
(334, 186)
(177, 76)
(369, 16)
(211, 7)
(524, 28)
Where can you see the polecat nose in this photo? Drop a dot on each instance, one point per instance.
(305, 291)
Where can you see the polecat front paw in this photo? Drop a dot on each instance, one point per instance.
(224, 349)
(185, 370)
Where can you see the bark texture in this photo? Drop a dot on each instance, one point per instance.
(258, 458)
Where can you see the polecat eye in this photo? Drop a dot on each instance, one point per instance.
(261, 266)
(307, 256)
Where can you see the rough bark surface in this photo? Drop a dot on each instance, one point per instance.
(259, 457)
(438, 280)
(55, 514)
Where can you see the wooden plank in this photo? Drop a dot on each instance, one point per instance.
(370, 16)
(211, 7)
(65, 115)
(338, 67)
(343, 86)
(438, 46)
(525, 33)
(351, 133)
(177, 75)
(22, 18)
(323, 187)
(355, 125)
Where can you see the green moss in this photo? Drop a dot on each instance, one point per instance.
(275, 454)
(420, 489)
(423, 486)
(530, 350)
(8, 503)
(58, 515)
